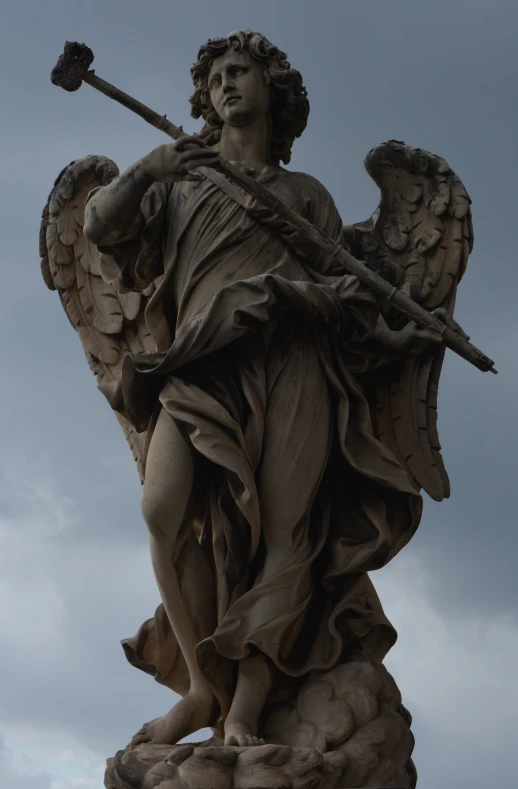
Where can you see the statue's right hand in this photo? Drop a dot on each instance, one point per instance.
(173, 162)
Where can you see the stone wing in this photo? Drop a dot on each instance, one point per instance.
(419, 238)
(110, 324)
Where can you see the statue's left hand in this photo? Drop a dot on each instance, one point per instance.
(446, 317)
(409, 341)
(412, 340)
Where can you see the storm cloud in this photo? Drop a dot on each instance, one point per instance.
(75, 575)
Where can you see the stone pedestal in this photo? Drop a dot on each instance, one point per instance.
(218, 767)
(346, 729)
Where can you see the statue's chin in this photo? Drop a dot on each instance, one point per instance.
(238, 117)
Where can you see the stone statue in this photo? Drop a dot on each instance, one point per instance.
(283, 420)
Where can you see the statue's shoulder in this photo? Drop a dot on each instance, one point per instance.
(303, 178)
(307, 185)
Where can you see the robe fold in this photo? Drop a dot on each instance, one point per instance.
(252, 340)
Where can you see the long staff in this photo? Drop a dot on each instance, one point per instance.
(73, 68)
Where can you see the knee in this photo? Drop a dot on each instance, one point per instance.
(159, 518)
(278, 542)
(281, 522)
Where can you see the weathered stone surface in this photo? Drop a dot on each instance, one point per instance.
(150, 766)
(283, 420)
(348, 729)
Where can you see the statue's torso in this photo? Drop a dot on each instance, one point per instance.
(213, 242)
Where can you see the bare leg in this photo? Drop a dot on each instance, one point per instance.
(253, 685)
(296, 445)
(167, 490)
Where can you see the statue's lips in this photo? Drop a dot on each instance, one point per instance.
(232, 100)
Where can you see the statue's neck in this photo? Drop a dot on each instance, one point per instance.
(250, 144)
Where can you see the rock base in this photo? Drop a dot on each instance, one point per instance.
(345, 729)
(218, 767)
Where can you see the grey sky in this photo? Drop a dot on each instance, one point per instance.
(74, 571)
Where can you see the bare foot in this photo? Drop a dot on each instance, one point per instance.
(238, 733)
(195, 711)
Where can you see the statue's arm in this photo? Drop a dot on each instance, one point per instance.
(112, 214)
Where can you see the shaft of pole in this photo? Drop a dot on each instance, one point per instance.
(373, 281)
(309, 232)
(158, 121)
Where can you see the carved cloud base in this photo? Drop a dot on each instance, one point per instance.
(219, 767)
(346, 729)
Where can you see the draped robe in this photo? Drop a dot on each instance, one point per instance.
(237, 317)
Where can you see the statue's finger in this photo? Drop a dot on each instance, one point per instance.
(189, 141)
(429, 335)
(198, 154)
(456, 327)
(446, 317)
(193, 164)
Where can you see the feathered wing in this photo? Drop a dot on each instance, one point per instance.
(110, 324)
(419, 238)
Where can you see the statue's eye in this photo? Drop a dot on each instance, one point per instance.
(215, 82)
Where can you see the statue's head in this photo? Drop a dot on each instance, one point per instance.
(241, 77)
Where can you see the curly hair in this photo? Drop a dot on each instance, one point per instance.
(289, 103)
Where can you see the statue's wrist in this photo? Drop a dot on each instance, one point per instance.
(143, 174)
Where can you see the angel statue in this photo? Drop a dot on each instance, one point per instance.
(282, 416)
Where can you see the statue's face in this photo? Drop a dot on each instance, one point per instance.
(238, 88)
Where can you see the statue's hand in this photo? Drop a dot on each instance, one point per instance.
(409, 341)
(412, 340)
(171, 163)
(445, 317)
